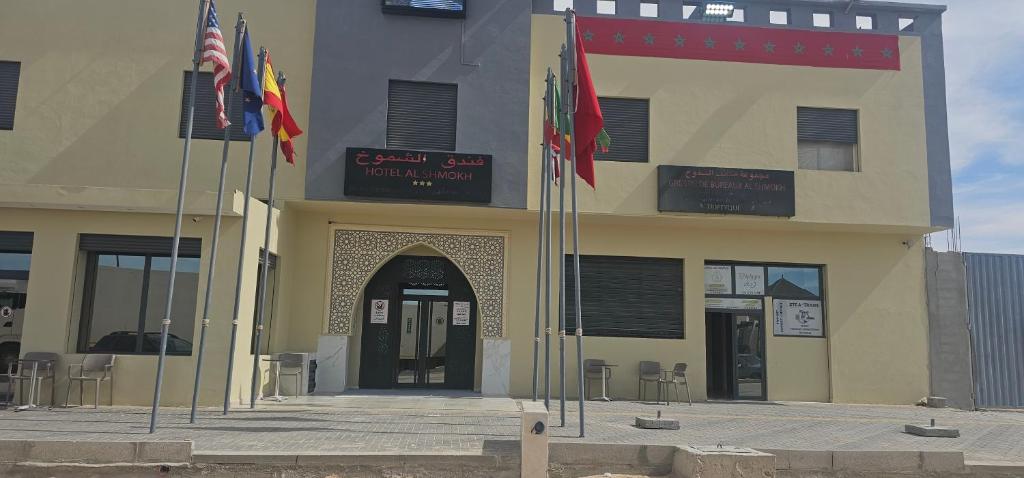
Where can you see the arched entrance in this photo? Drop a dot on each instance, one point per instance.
(419, 326)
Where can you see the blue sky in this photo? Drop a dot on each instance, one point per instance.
(984, 45)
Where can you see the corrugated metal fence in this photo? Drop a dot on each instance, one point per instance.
(995, 298)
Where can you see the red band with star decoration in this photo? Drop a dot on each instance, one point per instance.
(726, 42)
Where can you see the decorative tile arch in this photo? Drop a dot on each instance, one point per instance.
(357, 254)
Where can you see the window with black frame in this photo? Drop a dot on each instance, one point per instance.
(798, 305)
(268, 314)
(125, 295)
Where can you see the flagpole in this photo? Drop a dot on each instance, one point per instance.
(548, 166)
(165, 325)
(540, 251)
(578, 309)
(561, 250)
(241, 249)
(261, 308)
(239, 26)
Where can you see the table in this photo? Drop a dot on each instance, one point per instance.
(31, 383)
(605, 371)
(277, 381)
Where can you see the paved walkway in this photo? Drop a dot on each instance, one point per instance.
(390, 423)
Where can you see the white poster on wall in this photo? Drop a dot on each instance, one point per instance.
(800, 318)
(379, 311)
(732, 303)
(718, 280)
(749, 280)
(460, 313)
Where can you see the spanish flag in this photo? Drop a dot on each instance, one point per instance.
(283, 125)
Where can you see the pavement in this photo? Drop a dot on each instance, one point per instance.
(372, 423)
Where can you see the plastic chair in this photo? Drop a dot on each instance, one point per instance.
(679, 376)
(650, 372)
(45, 365)
(292, 362)
(593, 370)
(92, 364)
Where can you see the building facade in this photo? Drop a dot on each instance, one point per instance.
(758, 217)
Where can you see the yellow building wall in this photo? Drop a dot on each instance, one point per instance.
(741, 115)
(82, 94)
(55, 287)
(875, 297)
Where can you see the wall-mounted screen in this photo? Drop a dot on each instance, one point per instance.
(433, 8)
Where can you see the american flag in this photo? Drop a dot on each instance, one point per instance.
(214, 51)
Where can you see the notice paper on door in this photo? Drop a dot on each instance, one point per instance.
(460, 313)
(379, 311)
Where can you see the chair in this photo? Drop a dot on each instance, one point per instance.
(650, 372)
(45, 365)
(87, 370)
(292, 362)
(679, 376)
(593, 370)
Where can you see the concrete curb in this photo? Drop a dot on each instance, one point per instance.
(869, 461)
(95, 452)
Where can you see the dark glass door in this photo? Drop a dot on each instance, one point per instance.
(423, 343)
(736, 356)
(748, 332)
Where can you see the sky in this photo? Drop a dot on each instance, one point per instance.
(985, 89)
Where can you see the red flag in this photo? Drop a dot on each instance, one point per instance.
(588, 119)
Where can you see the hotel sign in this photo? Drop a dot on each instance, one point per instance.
(426, 175)
(758, 192)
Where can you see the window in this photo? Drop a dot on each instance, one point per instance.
(793, 282)
(561, 5)
(691, 12)
(822, 20)
(606, 7)
(627, 297)
(778, 17)
(126, 294)
(204, 120)
(827, 139)
(268, 314)
(10, 72)
(907, 24)
(649, 9)
(428, 8)
(738, 16)
(865, 22)
(422, 115)
(627, 122)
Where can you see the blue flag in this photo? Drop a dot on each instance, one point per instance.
(252, 91)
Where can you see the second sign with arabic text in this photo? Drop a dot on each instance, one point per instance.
(426, 175)
(759, 192)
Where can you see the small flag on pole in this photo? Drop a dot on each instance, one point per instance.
(283, 125)
(252, 94)
(214, 52)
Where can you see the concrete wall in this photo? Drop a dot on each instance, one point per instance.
(724, 114)
(100, 94)
(358, 49)
(54, 301)
(948, 333)
(877, 346)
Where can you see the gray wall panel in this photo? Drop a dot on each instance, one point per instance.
(995, 292)
(949, 351)
(358, 49)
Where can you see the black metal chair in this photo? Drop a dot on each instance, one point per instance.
(593, 370)
(679, 376)
(650, 372)
(21, 371)
(87, 370)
